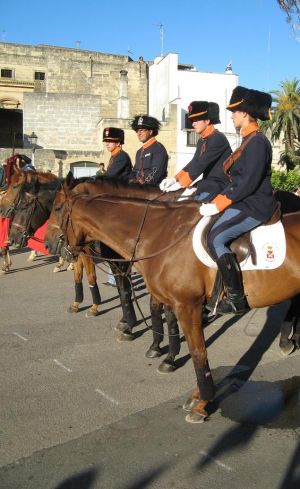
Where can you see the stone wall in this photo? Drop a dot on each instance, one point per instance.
(62, 121)
(81, 88)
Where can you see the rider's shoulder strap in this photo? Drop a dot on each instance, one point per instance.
(237, 153)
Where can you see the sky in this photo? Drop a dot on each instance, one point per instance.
(251, 34)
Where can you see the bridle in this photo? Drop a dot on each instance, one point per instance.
(30, 210)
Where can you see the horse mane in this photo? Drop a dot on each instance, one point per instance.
(141, 200)
(36, 185)
(118, 182)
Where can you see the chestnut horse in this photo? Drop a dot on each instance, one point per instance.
(41, 196)
(157, 237)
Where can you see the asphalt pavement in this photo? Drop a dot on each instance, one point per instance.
(80, 410)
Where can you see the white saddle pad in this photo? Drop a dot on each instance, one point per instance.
(268, 241)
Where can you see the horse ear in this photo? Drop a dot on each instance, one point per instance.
(70, 179)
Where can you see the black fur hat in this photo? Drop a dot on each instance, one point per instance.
(198, 110)
(113, 135)
(145, 122)
(255, 103)
(213, 113)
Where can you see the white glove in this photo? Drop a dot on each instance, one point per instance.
(174, 187)
(167, 182)
(208, 210)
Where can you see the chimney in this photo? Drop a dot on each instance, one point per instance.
(123, 102)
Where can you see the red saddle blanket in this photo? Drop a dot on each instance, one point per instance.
(37, 242)
(4, 231)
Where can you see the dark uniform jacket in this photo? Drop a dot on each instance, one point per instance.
(212, 150)
(119, 164)
(248, 183)
(151, 163)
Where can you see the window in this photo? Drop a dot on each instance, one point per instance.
(39, 75)
(191, 138)
(5, 73)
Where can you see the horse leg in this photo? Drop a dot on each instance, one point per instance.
(32, 255)
(60, 264)
(168, 365)
(6, 259)
(190, 318)
(78, 272)
(156, 309)
(296, 335)
(289, 331)
(124, 289)
(90, 271)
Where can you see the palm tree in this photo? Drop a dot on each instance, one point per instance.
(286, 119)
(292, 11)
(285, 122)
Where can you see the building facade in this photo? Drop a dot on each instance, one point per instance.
(66, 97)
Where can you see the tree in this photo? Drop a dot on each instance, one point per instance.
(287, 114)
(292, 11)
(285, 122)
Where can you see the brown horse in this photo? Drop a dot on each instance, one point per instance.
(8, 200)
(8, 206)
(52, 241)
(158, 238)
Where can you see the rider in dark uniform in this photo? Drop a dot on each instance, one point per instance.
(151, 161)
(120, 166)
(120, 163)
(246, 200)
(212, 150)
(151, 164)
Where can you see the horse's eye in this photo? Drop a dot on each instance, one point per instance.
(57, 209)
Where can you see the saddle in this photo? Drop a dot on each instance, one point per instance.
(242, 247)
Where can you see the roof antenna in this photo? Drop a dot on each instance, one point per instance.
(228, 70)
(161, 35)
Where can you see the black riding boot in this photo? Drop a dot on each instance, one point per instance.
(157, 329)
(124, 289)
(235, 302)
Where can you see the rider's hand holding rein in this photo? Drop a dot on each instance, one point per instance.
(167, 183)
(208, 210)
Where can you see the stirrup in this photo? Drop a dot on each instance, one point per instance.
(237, 306)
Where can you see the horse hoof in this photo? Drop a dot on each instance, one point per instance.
(151, 353)
(287, 347)
(70, 267)
(190, 404)
(72, 309)
(194, 417)
(166, 367)
(125, 336)
(120, 327)
(91, 314)
(56, 269)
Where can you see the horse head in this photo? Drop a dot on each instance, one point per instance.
(55, 238)
(9, 198)
(33, 209)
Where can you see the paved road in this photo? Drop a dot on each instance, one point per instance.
(78, 410)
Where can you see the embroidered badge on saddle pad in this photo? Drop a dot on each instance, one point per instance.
(268, 241)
